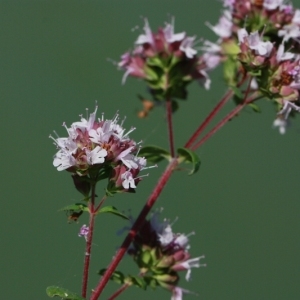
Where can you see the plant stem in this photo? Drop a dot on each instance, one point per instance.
(136, 226)
(212, 114)
(170, 126)
(228, 117)
(100, 204)
(119, 291)
(88, 246)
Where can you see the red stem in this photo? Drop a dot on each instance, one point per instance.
(170, 126)
(222, 122)
(88, 246)
(119, 291)
(211, 115)
(100, 204)
(138, 223)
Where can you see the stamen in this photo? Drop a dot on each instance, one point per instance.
(150, 167)
(202, 265)
(133, 29)
(130, 130)
(56, 133)
(123, 121)
(141, 176)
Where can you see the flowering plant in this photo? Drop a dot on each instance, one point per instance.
(258, 48)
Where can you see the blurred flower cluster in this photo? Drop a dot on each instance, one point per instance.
(99, 149)
(260, 38)
(167, 61)
(161, 254)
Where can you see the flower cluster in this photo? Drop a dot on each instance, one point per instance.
(167, 61)
(253, 36)
(99, 149)
(160, 254)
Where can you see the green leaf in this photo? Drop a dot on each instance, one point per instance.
(56, 291)
(76, 206)
(112, 210)
(154, 154)
(188, 156)
(116, 276)
(255, 107)
(138, 281)
(237, 92)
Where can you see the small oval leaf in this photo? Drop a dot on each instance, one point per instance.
(56, 291)
(138, 281)
(116, 276)
(76, 206)
(112, 210)
(188, 156)
(238, 93)
(154, 154)
(255, 107)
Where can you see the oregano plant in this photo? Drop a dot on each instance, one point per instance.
(258, 47)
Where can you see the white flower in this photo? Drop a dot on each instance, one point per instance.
(83, 124)
(189, 264)
(182, 240)
(255, 43)
(288, 106)
(211, 60)
(186, 47)
(167, 236)
(101, 134)
(224, 28)
(146, 38)
(128, 180)
(169, 33)
(177, 293)
(242, 34)
(63, 160)
(128, 159)
(204, 80)
(96, 156)
(272, 4)
(211, 47)
(156, 224)
(289, 31)
(296, 18)
(281, 55)
(261, 48)
(228, 3)
(281, 124)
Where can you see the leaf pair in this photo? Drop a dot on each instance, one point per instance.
(156, 154)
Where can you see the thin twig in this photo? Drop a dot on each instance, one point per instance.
(119, 291)
(88, 247)
(211, 115)
(170, 126)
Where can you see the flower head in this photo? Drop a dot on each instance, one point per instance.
(97, 146)
(161, 254)
(163, 56)
(84, 231)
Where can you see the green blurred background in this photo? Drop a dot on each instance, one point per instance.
(243, 204)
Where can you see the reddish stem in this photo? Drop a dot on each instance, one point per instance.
(170, 126)
(88, 246)
(223, 122)
(138, 223)
(100, 204)
(211, 115)
(119, 291)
